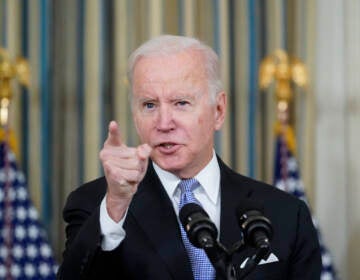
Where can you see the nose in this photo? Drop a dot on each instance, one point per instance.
(165, 121)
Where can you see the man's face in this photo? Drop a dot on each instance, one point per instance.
(173, 112)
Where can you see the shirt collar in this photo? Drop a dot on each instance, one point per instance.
(208, 177)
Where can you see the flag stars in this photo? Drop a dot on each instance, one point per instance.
(31, 251)
(326, 259)
(291, 184)
(21, 213)
(18, 252)
(11, 195)
(3, 252)
(15, 270)
(20, 232)
(45, 250)
(292, 165)
(2, 176)
(33, 232)
(20, 177)
(287, 178)
(6, 233)
(326, 276)
(11, 157)
(2, 271)
(7, 175)
(23, 239)
(44, 269)
(29, 270)
(280, 184)
(21, 194)
(33, 213)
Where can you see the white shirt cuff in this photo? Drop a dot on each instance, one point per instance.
(113, 233)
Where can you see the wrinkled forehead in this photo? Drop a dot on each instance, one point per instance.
(188, 56)
(183, 66)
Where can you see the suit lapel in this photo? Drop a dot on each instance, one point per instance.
(154, 212)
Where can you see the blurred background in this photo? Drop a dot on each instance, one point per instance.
(77, 51)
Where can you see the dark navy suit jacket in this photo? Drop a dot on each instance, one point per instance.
(153, 248)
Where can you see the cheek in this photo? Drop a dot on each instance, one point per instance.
(142, 128)
(200, 121)
(206, 121)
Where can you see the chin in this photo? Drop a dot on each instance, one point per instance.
(172, 165)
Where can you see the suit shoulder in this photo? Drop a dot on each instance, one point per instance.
(269, 190)
(255, 188)
(88, 195)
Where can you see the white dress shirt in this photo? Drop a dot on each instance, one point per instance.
(208, 195)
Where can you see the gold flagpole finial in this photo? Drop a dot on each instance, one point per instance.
(284, 71)
(9, 70)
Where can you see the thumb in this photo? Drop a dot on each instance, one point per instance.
(114, 135)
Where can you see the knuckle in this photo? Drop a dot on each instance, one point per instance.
(102, 155)
(110, 172)
(122, 182)
(137, 164)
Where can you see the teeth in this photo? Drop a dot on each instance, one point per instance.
(167, 146)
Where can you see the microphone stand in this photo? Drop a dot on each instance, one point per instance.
(261, 253)
(221, 258)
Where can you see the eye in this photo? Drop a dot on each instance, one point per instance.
(182, 103)
(149, 105)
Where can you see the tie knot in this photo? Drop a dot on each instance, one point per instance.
(188, 185)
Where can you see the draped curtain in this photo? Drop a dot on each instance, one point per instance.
(78, 51)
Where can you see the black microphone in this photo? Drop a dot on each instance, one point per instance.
(257, 232)
(200, 230)
(202, 233)
(256, 228)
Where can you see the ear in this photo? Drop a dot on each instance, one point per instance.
(220, 109)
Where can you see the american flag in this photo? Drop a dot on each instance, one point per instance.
(287, 178)
(24, 250)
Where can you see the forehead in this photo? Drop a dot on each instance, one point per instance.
(185, 66)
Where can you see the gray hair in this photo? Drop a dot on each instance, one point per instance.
(171, 44)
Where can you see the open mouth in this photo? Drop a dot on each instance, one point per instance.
(167, 145)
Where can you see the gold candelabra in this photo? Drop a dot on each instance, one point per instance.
(284, 71)
(10, 70)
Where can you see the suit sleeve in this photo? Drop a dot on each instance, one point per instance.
(306, 256)
(83, 238)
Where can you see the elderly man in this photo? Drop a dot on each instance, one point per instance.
(125, 225)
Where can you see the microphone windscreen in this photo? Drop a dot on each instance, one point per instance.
(189, 209)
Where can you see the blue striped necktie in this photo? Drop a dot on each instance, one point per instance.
(200, 264)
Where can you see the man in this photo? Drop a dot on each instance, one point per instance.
(125, 226)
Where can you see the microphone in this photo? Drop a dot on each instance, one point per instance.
(256, 228)
(200, 230)
(202, 233)
(257, 232)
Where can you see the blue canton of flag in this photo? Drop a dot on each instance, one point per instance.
(24, 250)
(287, 178)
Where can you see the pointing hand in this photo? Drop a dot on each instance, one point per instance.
(124, 169)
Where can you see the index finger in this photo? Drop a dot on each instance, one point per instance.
(114, 135)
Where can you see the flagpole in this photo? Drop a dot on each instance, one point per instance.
(286, 73)
(9, 71)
